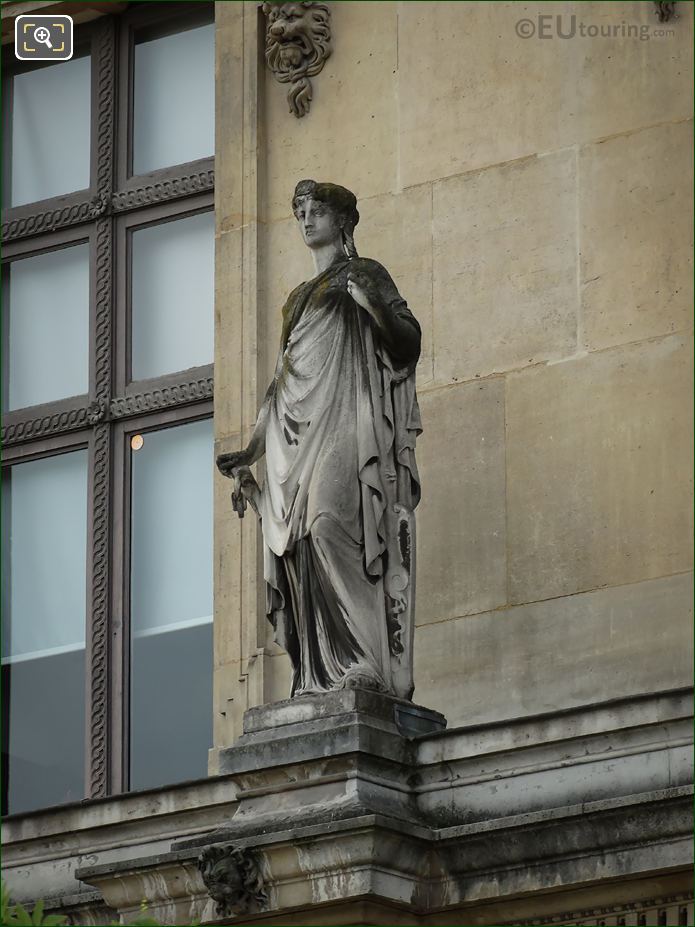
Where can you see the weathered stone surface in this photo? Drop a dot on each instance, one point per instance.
(599, 467)
(397, 232)
(227, 572)
(340, 702)
(588, 754)
(658, 713)
(512, 785)
(42, 851)
(636, 235)
(173, 887)
(461, 520)
(83, 908)
(505, 259)
(354, 141)
(614, 77)
(279, 672)
(228, 328)
(465, 72)
(230, 106)
(347, 752)
(574, 846)
(615, 841)
(227, 705)
(558, 654)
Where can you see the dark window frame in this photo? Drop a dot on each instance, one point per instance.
(113, 409)
(54, 446)
(120, 588)
(47, 244)
(86, 45)
(144, 17)
(155, 215)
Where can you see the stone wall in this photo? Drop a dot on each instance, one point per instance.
(532, 200)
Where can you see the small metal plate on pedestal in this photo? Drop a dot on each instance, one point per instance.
(414, 720)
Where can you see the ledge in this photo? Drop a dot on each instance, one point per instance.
(436, 822)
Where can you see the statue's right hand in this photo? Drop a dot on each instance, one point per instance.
(228, 463)
(246, 491)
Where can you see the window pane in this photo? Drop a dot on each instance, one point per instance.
(172, 296)
(174, 99)
(44, 618)
(51, 131)
(49, 327)
(171, 605)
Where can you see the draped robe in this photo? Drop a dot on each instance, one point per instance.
(341, 485)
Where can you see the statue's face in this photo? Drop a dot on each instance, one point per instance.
(318, 223)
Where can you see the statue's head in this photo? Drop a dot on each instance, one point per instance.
(326, 213)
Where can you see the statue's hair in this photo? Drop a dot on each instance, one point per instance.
(341, 200)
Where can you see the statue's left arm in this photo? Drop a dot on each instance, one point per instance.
(372, 288)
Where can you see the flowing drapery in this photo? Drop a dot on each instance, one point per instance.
(341, 485)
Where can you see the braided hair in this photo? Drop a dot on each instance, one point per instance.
(341, 200)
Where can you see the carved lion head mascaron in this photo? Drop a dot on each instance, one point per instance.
(298, 41)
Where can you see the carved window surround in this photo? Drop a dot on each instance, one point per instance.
(76, 209)
(102, 419)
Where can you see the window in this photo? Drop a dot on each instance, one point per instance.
(45, 546)
(50, 103)
(107, 400)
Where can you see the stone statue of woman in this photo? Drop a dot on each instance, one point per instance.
(338, 427)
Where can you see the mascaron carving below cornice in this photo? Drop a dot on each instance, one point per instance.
(233, 878)
(297, 44)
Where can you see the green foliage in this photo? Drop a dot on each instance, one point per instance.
(17, 914)
(142, 921)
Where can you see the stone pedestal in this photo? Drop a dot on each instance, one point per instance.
(322, 758)
(315, 775)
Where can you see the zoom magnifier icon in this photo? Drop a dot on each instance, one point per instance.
(43, 36)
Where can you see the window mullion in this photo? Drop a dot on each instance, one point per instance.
(98, 639)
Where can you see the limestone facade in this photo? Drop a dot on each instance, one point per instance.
(532, 198)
